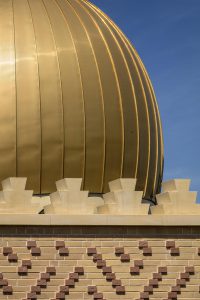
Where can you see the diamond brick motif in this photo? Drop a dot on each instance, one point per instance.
(22, 270)
(79, 270)
(116, 282)
(125, 257)
(110, 276)
(170, 244)
(92, 289)
(143, 244)
(51, 270)
(7, 290)
(119, 250)
(60, 244)
(7, 250)
(120, 289)
(64, 289)
(31, 244)
(106, 270)
(91, 251)
(12, 257)
(69, 282)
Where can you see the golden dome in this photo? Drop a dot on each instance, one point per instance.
(76, 100)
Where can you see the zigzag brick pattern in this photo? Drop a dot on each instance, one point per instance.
(97, 265)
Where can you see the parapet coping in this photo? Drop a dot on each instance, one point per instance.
(99, 220)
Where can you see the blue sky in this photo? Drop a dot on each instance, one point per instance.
(166, 33)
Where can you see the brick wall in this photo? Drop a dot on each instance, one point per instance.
(99, 262)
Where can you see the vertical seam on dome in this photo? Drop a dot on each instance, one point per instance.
(40, 107)
(117, 82)
(60, 84)
(132, 88)
(14, 43)
(81, 82)
(101, 89)
(112, 24)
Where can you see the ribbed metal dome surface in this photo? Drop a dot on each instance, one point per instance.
(76, 100)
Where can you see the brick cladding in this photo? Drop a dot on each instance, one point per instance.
(99, 263)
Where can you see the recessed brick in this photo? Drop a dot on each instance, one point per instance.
(110, 276)
(153, 282)
(45, 276)
(7, 250)
(27, 263)
(98, 296)
(138, 263)
(144, 295)
(116, 282)
(79, 270)
(35, 251)
(184, 276)
(3, 282)
(181, 282)
(42, 283)
(101, 263)
(172, 295)
(97, 257)
(119, 250)
(51, 270)
(22, 270)
(32, 296)
(170, 244)
(92, 289)
(91, 251)
(69, 282)
(162, 270)
(8, 290)
(175, 251)
(12, 257)
(74, 276)
(148, 289)
(120, 290)
(189, 270)
(157, 276)
(36, 289)
(106, 270)
(31, 244)
(143, 244)
(60, 296)
(147, 251)
(64, 289)
(134, 270)
(125, 257)
(64, 251)
(60, 244)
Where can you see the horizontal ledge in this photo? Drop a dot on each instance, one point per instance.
(99, 220)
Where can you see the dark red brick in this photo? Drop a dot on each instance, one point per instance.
(1, 276)
(175, 251)
(60, 296)
(91, 251)
(162, 270)
(144, 295)
(153, 282)
(12, 257)
(36, 289)
(172, 295)
(184, 276)
(36, 251)
(7, 289)
(51, 270)
(7, 250)
(92, 289)
(97, 257)
(116, 282)
(181, 282)
(3, 282)
(101, 263)
(32, 296)
(64, 251)
(106, 270)
(134, 270)
(42, 283)
(147, 251)
(110, 276)
(125, 257)
(69, 282)
(120, 289)
(27, 263)
(22, 270)
(45, 276)
(31, 244)
(64, 289)
(143, 244)
(119, 250)
(138, 263)
(170, 244)
(74, 276)
(176, 288)
(98, 296)
(148, 289)
(60, 244)
(79, 270)
(189, 270)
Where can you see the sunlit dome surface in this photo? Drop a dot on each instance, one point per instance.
(76, 100)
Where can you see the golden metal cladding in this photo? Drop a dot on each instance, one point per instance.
(76, 100)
